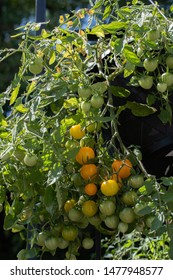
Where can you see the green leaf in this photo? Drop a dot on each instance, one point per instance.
(31, 87)
(113, 26)
(9, 221)
(119, 91)
(54, 174)
(104, 119)
(157, 222)
(50, 200)
(14, 94)
(21, 108)
(167, 181)
(165, 115)
(71, 103)
(150, 99)
(146, 210)
(52, 57)
(139, 109)
(131, 56)
(107, 12)
(98, 31)
(61, 195)
(129, 69)
(27, 254)
(118, 45)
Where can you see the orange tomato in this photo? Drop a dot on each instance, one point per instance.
(90, 189)
(122, 167)
(88, 171)
(77, 132)
(84, 154)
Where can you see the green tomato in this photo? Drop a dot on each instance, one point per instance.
(136, 181)
(167, 78)
(85, 106)
(69, 232)
(146, 82)
(75, 215)
(123, 227)
(87, 243)
(30, 160)
(127, 215)
(161, 87)
(95, 220)
(107, 207)
(84, 92)
(19, 155)
(41, 238)
(129, 198)
(36, 66)
(153, 35)
(51, 243)
(138, 207)
(97, 101)
(62, 244)
(169, 61)
(149, 220)
(150, 64)
(111, 221)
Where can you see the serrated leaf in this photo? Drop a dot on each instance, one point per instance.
(14, 94)
(31, 87)
(119, 91)
(146, 210)
(61, 195)
(165, 116)
(139, 109)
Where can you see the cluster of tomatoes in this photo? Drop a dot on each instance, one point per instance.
(104, 199)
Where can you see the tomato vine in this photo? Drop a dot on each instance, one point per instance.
(61, 178)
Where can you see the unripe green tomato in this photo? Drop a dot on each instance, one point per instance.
(111, 221)
(129, 198)
(51, 243)
(36, 66)
(146, 82)
(150, 64)
(84, 92)
(123, 227)
(138, 207)
(161, 87)
(62, 244)
(127, 215)
(149, 220)
(136, 181)
(87, 243)
(85, 106)
(41, 237)
(169, 61)
(95, 220)
(30, 160)
(153, 35)
(97, 101)
(75, 215)
(167, 78)
(107, 207)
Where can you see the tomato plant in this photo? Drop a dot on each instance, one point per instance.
(65, 170)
